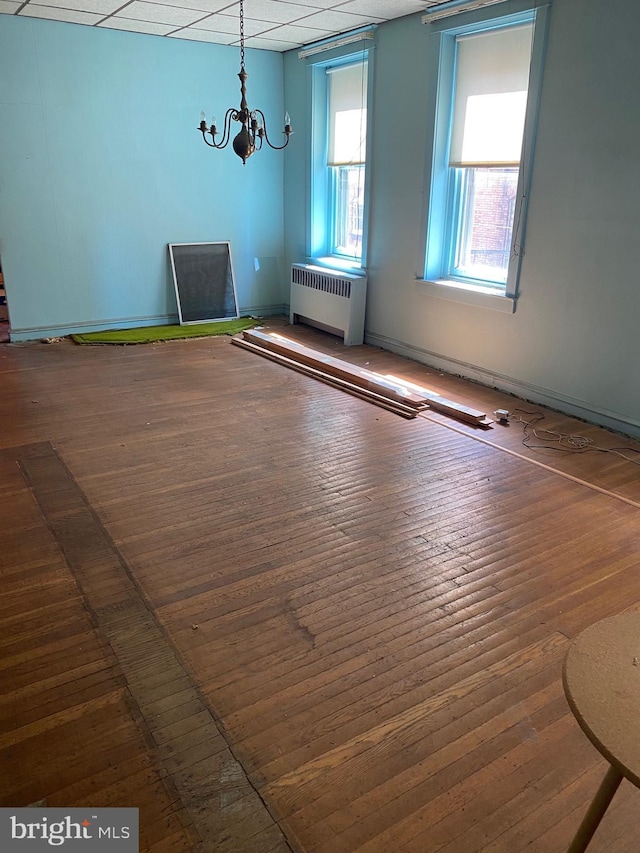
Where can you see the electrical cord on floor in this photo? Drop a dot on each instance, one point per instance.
(566, 442)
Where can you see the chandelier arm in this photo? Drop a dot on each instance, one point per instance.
(226, 128)
(266, 135)
(226, 132)
(206, 141)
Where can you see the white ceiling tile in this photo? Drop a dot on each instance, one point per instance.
(227, 24)
(51, 13)
(160, 14)
(104, 7)
(338, 22)
(203, 5)
(298, 34)
(383, 8)
(318, 4)
(193, 34)
(273, 10)
(136, 26)
(220, 24)
(269, 44)
(269, 24)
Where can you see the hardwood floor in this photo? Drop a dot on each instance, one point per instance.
(274, 616)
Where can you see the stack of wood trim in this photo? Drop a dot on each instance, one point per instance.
(403, 398)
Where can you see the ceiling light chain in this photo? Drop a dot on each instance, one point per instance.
(242, 35)
(254, 125)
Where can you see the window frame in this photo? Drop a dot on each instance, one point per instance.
(438, 233)
(322, 178)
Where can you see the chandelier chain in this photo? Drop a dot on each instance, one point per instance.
(242, 35)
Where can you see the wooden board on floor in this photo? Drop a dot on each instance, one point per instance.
(382, 400)
(410, 395)
(334, 367)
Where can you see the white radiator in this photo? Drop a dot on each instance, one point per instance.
(332, 300)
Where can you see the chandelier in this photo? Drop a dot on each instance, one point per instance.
(254, 125)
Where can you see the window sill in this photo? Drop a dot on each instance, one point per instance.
(457, 291)
(343, 265)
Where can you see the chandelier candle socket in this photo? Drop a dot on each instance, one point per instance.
(254, 125)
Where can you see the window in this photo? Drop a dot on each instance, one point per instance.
(487, 88)
(346, 154)
(339, 180)
(485, 200)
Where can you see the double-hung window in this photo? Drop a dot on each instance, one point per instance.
(340, 97)
(489, 105)
(346, 157)
(483, 138)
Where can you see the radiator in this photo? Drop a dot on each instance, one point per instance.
(331, 300)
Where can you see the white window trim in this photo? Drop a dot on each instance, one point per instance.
(435, 228)
(318, 238)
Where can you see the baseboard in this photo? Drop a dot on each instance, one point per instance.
(510, 385)
(30, 333)
(264, 310)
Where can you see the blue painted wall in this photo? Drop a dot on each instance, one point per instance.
(101, 166)
(573, 342)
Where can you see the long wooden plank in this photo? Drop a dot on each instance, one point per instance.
(333, 366)
(370, 396)
(392, 387)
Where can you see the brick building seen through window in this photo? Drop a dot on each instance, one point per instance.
(488, 199)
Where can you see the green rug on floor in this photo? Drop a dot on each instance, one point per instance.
(152, 334)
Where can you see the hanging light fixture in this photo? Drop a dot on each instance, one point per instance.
(254, 125)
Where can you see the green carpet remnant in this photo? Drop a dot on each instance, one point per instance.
(151, 334)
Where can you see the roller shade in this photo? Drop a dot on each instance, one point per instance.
(347, 95)
(490, 97)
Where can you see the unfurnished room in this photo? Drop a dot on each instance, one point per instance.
(320, 443)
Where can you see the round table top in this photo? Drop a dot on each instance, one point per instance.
(602, 683)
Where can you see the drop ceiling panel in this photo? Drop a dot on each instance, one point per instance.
(71, 16)
(298, 34)
(203, 5)
(193, 34)
(227, 24)
(386, 9)
(274, 10)
(161, 14)
(137, 26)
(339, 22)
(269, 24)
(103, 7)
(263, 43)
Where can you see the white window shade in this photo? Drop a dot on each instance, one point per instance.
(490, 97)
(347, 88)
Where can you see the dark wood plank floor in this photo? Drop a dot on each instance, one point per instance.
(275, 617)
